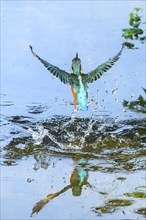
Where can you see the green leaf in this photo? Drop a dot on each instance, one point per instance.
(141, 100)
(137, 18)
(136, 24)
(142, 38)
(129, 45)
(125, 103)
(137, 9)
(131, 22)
(144, 90)
(128, 33)
(131, 15)
(139, 31)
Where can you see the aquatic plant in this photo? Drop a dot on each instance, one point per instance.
(136, 194)
(141, 211)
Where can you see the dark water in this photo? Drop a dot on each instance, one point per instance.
(57, 162)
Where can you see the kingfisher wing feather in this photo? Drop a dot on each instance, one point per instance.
(64, 76)
(98, 72)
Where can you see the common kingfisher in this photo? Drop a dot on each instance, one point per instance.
(77, 79)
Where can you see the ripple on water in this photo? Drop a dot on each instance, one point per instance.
(6, 103)
(37, 108)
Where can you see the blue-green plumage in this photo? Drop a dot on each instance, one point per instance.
(78, 80)
(82, 94)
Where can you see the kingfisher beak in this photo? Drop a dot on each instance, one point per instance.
(71, 71)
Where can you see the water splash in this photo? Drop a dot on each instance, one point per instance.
(39, 134)
(66, 136)
(54, 139)
(89, 136)
(42, 160)
(87, 132)
(114, 91)
(73, 116)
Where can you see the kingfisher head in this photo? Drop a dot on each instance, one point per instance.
(76, 65)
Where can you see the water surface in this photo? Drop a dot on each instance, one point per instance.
(85, 165)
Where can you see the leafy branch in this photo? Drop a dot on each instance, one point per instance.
(138, 105)
(134, 32)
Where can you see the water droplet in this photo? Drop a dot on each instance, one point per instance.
(29, 180)
(128, 104)
(137, 134)
(116, 119)
(87, 132)
(42, 161)
(114, 91)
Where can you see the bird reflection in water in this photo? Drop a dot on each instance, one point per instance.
(78, 179)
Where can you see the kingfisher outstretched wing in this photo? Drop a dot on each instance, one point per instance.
(98, 72)
(64, 76)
